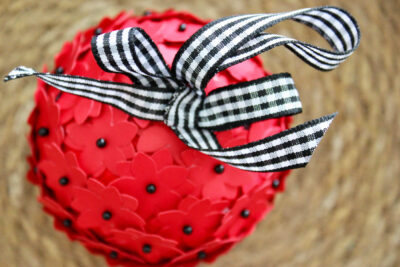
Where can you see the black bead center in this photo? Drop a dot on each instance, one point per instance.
(113, 254)
(182, 27)
(147, 13)
(151, 188)
(276, 183)
(107, 215)
(60, 70)
(67, 223)
(245, 213)
(219, 168)
(201, 255)
(187, 229)
(43, 131)
(63, 181)
(146, 248)
(101, 142)
(98, 31)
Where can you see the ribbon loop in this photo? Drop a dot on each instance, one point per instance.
(235, 105)
(132, 52)
(228, 41)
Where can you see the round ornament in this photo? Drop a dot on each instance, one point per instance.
(129, 188)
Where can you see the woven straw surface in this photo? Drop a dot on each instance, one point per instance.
(342, 210)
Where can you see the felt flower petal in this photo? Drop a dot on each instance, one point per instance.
(156, 30)
(219, 80)
(125, 131)
(141, 123)
(258, 133)
(246, 69)
(92, 162)
(162, 158)
(83, 109)
(78, 136)
(143, 167)
(154, 138)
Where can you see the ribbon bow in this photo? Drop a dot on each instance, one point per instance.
(176, 96)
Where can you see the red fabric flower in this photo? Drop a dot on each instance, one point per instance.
(193, 223)
(62, 173)
(155, 191)
(103, 208)
(216, 184)
(102, 142)
(247, 211)
(151, 248)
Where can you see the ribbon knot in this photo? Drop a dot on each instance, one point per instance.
(176, 96)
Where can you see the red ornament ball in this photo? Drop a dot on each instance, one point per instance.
(128, 188)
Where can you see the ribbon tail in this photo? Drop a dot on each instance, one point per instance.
(147, 103)
(19, 72)
(289, 149)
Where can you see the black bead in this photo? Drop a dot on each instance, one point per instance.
(98, 31)
(107, 215)
(201, 255)
(113, 254)
(276, 183)
(182, 27)
(59, 70)
(63, 181)
(147, 13)
(146, 248)
(187, 230)
(43, 132)
(67, 223)
(151, 188)
(219, 168)
(101, 142)
(245, 213)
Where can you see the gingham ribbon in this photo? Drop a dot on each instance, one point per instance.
(176, 96)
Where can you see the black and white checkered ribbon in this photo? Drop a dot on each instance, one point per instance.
(176, 96)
